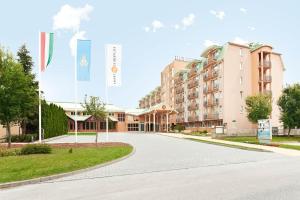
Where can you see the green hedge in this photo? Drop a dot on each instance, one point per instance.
(54, 120)
(36, 149)
(23, 138)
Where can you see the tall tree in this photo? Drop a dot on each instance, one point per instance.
(96, 108)
(25, 59)
(258, 107)
(289, 105)
(28, 116)
(15, 91)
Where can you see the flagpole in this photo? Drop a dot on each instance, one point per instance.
(75, 88)
(106, 94)
(40, 79)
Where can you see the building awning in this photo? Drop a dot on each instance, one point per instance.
(113, 118)
(79, 118)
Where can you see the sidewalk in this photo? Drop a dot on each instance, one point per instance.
(287, 152)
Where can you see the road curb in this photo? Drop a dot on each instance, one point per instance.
(52, 177)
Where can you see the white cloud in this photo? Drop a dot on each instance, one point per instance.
(243, 10)
(208, 43)
(156, 24)
(218, 14)
(147, 29)
(239, 40)
(251, 28)
(73, 41)
(69, 17)
(176, 26)
(188, 20)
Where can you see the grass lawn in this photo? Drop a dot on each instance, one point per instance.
(85, 133)
(16, 168)
(253, 140)
(228, 145)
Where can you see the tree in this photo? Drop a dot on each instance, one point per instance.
(25, 59)
(28, 116)
(96, 108)
(15, 91)
(258, 107)
(289, 105)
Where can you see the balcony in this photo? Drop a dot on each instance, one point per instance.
(193, 118)
(213, 116)
(180, 109)
(179, 90)
(215, 74)
(193, 84)
(179, 120)
(193, 72)
(265, 64)
(193, 106)
(193, 95)
(178, 80)
(179, 100)
(267, 92)
(266, 78)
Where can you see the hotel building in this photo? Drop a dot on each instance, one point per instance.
(211, 90)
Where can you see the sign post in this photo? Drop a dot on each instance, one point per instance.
(264, 132)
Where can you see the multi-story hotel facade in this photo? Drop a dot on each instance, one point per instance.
(211, 90)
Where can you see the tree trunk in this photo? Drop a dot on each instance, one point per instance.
(289, 132)
(24, 127)
(9, 134)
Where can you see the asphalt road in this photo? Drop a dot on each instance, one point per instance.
(169, 168)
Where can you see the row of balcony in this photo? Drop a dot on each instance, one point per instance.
(179, 100)
(214, 116)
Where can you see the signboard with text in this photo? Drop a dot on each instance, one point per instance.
(264, 132)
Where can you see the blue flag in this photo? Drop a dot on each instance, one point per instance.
(83, 60)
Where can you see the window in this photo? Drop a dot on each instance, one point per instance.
(241, 52)
(133, 127)
(121, 117)
(241, 65)
(72, 113)
(241, 80)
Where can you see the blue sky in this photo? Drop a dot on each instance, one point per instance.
(152, 33)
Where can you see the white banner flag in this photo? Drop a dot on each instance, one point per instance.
(113, 65)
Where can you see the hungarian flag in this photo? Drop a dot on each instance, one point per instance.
(46, 49)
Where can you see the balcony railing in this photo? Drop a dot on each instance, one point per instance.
(265, 63)
(179, 90)
(179, 100)
(180, 109)
(215, 73)
(213, 116)
(193, 106)
(266, 78)
(193, 118)
(193, 95)
(192, 84)
(267, 92)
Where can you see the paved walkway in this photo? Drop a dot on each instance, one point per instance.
(288, 152)
(171, 168)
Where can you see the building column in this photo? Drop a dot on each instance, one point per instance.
(154, 122)
(167, 115)
(149, 123)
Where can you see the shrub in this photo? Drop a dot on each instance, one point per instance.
(205, 131)
(36, 149)
(23, 138)
(179, 127)
(9, 152)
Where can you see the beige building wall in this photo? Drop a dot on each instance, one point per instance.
(237, 85)
(14, 131)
